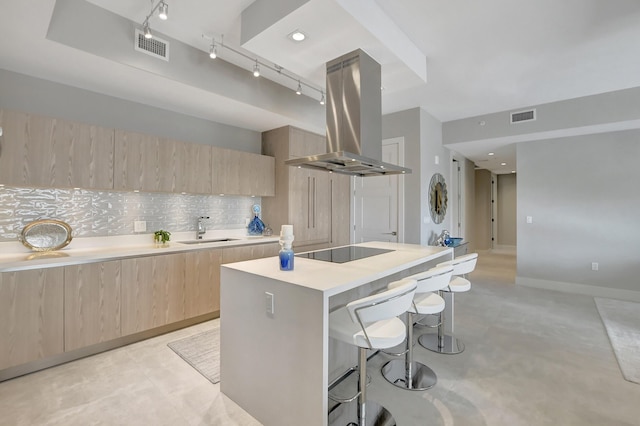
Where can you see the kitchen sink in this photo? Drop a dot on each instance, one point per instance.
(215, 240)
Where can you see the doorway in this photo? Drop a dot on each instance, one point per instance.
(379, 201)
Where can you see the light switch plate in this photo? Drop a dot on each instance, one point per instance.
(139, 226)
(270, 303)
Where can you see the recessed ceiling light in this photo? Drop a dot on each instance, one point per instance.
(503, 164)
(297, 35)
(491, 153)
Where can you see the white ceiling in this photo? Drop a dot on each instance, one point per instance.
(482, 56)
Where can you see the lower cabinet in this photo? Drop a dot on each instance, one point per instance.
(152, 292)
(202, 282)
(257, 251)
(91, 303)
(31, 315)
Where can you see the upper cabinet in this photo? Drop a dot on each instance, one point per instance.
(242, 173)
(48, 152)
(316, 203)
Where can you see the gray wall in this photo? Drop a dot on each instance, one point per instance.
(407, 124)
(507, 210)
(423, 141)
(582, 194)
(42, 97)
(469, 203)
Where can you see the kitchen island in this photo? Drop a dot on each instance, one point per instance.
(276, 356)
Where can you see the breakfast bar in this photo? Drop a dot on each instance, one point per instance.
(276, 356)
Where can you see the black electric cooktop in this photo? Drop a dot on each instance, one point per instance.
(343, 254)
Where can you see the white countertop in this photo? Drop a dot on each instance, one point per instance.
(15, 257)
(334, 278)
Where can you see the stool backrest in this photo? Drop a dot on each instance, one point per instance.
(434, 279)
(387, 304)
(462, 264)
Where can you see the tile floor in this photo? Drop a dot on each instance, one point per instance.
(533, 357)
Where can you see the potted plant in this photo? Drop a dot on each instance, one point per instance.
(161, 238)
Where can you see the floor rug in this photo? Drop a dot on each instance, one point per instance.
(202, 352)
(622, 321)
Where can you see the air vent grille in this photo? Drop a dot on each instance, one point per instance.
(155, 46)
(520, 116)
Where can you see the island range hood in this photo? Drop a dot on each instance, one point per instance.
(354, 120)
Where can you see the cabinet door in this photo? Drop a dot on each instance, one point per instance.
(202, 282)
(136, 162)
(31, 315)
(194, 174)
(152, 292)
(226, 171)
(91, 304)
(47, 152)
(259, 174)
(310, 206)
(254, 251)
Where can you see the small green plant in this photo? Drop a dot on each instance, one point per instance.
(161, 236)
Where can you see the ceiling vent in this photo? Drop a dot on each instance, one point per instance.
(521, 116)
(155, 46)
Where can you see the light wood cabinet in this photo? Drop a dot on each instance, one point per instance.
(242, 173)
(31, 315)
(202, 282)
(152, 292)
(256, 251)
(48, 152)
(91, 304)
(316, 203)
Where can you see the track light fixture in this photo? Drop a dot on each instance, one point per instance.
(163, 13)
(147, 30)
(259, 65)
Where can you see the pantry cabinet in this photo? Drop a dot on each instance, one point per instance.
(316, 203)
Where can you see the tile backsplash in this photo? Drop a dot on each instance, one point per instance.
(111, 213)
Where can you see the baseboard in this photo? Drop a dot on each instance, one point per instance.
(587, 290)
(503, 249)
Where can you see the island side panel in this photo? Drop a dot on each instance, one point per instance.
(274, 366)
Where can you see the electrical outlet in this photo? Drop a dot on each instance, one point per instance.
(270, 303)
(529, 219)
(594, 266)
(139, 226)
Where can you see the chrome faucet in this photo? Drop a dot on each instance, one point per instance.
(201, 229)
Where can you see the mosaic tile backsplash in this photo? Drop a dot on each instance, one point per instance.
(104, 213)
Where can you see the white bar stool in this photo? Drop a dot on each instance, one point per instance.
(407, 373)
(441, 342)
(372, 323)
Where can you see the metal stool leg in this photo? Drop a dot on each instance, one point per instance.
(406, 373)
(442, 343)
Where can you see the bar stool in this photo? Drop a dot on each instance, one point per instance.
(407, 373)
(372, 323)
(441, 342)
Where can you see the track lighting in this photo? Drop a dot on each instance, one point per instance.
(213, 53)
(299, 89)
(147, 30)
(256, 69)
(322, 98)
(163, 12)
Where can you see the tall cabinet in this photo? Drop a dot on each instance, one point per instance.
(316, 203)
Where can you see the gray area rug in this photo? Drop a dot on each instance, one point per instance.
(622, 321)
(202, 352)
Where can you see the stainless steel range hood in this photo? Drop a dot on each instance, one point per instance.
(354, 120)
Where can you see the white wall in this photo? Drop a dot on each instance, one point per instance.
(582, 194)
